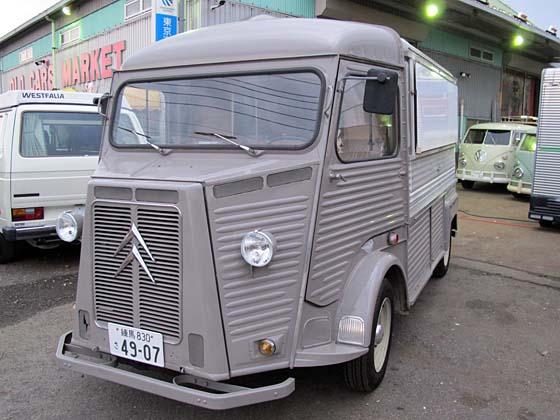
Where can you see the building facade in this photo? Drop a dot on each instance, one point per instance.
(472, 38)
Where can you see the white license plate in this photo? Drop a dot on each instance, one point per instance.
(136, 344)
(477, 174)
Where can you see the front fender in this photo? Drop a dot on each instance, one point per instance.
(363, 287)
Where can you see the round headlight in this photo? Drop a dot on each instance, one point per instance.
(463, 162)
(67, 227)
(518, 173)
(257, 248)
(499, 165)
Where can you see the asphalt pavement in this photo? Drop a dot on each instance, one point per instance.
(481, 343)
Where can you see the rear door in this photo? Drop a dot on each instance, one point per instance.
(362, 187)
(55, 152)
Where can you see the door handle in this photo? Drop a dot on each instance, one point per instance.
(336, 177)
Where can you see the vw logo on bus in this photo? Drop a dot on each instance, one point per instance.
(167, 3)
(480, 155)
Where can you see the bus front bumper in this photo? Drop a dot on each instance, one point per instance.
(482, 176)
(219, 395)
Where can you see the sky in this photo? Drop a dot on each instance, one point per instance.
(543, 12)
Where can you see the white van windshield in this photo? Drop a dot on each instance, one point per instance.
(47, 134)
(489, 137)
(262, 111)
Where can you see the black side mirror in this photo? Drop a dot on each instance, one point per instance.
(381, 91)
(102, 103)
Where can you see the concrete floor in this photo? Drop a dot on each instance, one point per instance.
(481, 343)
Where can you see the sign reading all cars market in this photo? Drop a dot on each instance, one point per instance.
(79, 69)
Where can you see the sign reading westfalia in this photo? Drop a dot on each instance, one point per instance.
(87, 67)
(164, 18)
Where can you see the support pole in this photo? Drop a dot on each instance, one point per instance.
(54, 49)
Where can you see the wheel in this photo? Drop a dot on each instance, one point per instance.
(443, 265)
(7, 250)
(517, 196)
(467, 185)
(545, 223)
(365, 373)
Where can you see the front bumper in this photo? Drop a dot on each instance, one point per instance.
(482, 176)
(224, 396)
(518, 188)
(30, 232)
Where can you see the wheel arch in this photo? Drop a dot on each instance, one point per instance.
(360, 294)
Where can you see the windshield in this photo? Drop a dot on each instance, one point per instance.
(529, 143)
(46, 134)
(489, 137)
(264, 111)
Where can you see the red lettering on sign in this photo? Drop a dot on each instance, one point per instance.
(44, 78)
(66, 73)
(94, 63)
(75, 71)
(85, 67)
(106, 61)
(118, 48)
(50, 80)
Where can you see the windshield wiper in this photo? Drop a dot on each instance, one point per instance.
(161, 150)
(230, 139)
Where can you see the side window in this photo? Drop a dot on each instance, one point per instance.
(361, 135)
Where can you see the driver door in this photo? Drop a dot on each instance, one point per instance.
(363, 190)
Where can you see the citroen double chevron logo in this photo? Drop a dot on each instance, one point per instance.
(134, 236)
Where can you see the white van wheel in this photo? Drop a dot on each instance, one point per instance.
(7, 250)
(366, 372)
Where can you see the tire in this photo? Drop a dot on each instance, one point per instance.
(7, 250)
(517, 196)
(443, 266)
(545, 223)
(365, 373)
(467, 185)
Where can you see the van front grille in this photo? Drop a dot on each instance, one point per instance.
(124, 293)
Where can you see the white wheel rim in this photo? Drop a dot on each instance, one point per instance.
(384, 320)
(447, 255)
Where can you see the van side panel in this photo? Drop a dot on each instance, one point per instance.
(55, 183)
(6, 123)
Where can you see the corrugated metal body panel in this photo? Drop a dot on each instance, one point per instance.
(431, 175)
(368, 202)
(546, 180)
(418, 254)
(480, 91)
(261, 302)
(437, 230)
(199, 14)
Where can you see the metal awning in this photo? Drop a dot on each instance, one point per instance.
(475, 19)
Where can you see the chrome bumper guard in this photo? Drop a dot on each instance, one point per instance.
(225, 396)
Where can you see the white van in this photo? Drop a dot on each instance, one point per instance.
(49, 147)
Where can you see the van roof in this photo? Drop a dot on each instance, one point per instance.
(19, 97)
(504, 126)
(265, 37)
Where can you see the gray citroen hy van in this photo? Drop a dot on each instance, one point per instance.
(286, 195)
